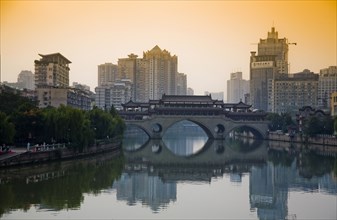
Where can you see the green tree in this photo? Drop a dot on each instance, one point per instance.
(7, 129)
(275, 121)
(102, 123)
(311, 126)
(11, 102)
(335, 125)
(28, 125)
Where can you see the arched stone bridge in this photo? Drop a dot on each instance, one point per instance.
(216, 127)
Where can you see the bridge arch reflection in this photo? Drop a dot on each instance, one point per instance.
(214, 152)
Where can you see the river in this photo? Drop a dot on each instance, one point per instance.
(183, 176)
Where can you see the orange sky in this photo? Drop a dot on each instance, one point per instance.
(210, 38)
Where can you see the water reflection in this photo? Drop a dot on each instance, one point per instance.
(185, 138)
(162, 180)
(147, 189)
(134, 138)
(59, 185)
(271, 178)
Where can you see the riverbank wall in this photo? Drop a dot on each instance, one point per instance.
(63, 153)
(325, 140)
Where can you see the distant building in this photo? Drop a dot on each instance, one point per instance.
(181, 84)
(271, 61)
(327, 84)
(52, 70)
(26, 80)
(190, 91)
(56, 96)
(116, 94)
(135, 68)
(215, 95)
(334, 104)
(107, 74)
(162, 72)
(237, 88)
(81, 86)
(294, 91)
(85, 89)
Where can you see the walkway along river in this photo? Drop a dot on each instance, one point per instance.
(56, 152)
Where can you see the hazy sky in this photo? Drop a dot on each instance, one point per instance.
(210, 38)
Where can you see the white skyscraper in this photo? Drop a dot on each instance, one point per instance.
(237, 88)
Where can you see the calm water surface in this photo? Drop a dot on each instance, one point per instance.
(183, 176)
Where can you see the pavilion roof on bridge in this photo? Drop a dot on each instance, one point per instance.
(187, 98)
(132, 104)
(239, 105)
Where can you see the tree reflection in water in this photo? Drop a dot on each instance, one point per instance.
(59, 185)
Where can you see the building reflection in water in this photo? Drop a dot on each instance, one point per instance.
(151, 178)
(147, 189)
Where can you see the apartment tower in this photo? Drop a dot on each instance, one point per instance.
(270, 63)
(52, 70)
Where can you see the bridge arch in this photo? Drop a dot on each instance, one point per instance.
(205, 128)
(255, 130)
(143, 128)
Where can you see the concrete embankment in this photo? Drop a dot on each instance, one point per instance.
(326, 140)
(21, 157)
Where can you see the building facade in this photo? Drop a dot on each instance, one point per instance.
(52, 70)
(294, 91)
(327, 84)
(215, 95)
(26, 80)
(134, 68)
(237, 87)
(55, 96)
(190, 91)
(107, 74)
(271, 61)
(333, 104)
(162, 72)
(181, 84)
(113, 95)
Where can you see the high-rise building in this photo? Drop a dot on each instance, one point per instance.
(153, 75)
(294, 91)
(215, 95)
(237, 88)
(327, 84)
(162, 72)
(181, 84)
(52, 70)
(190, 91)
(116, 94)
(26, 79)
(333, 104)
(107, 74)
(134, 68)
(270, 62)
(81, 86)
(275, 46)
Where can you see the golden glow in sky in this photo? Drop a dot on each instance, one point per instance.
(210, 38)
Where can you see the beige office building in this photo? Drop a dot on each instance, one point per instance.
(107, 74)
(134, 69)
(161, 72)
(271, 61)
(333, 104)
(327, 84)
(237, 88)
(52, 70)
(295, 91)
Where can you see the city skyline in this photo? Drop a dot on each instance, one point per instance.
(210, 39)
